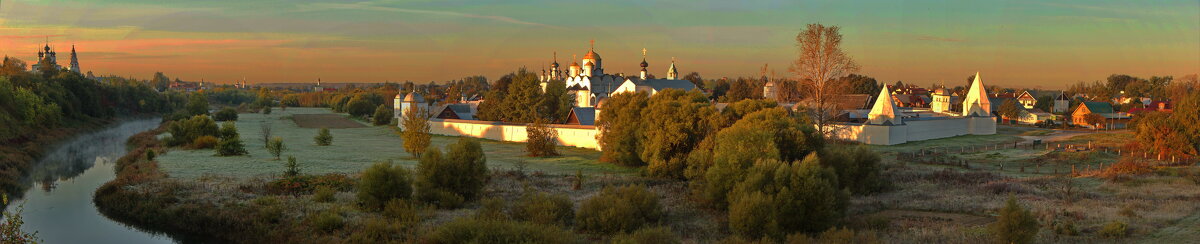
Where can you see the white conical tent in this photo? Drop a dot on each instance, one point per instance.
(976, 102)
(885, 111)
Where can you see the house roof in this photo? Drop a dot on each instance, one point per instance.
(585, 116)
(1099, 107)
(661, 84)
(464, 111)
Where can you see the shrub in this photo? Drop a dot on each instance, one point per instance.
(673, 123)
(323, 194)
(836, 236)
(204, 142)
(542, 140)
(1065, 227)
(381, 230)
(470, 230)
(648, 235)
(276, 147)
(307, 183)
(542, 208)
(231, 147)
(803, 197)
(618, 209)
(226, 114)
(1015, 223)
(491, 209)
(403, 211)
(416, 132)
(228, 130)
(186, 131)
(360, 107)
(326, 221)
(266, 110)
(619, 123)
(293, 168)
(266, 132)
(1114, 229)
(752, 216)
(383, 115)
(150, 155)
(383, 182)
(323, 138)
(269, 209)
(857, 168)
(457, 177)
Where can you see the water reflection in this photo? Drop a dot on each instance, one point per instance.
(59, 207)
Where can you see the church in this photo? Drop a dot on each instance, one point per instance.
(48, 56)
(591, 84)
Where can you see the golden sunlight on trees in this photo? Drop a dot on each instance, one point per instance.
(820, 61)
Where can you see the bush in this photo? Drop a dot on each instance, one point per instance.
(360, 107)
(542, 208)
(802, 196)
(150, 155)
(491, 209)
(383, 182)
(383, 115)
(857, 168)
(542, 140)
(1015, 224)
(456, 178)
(618, 209)
(326, 221)
(269, 209)
(323, 138)
(186, 131)
(231, 147)
(836, 236)
(228, 130)
(276, 147)
(1065, 227)
(293, 168)
(403, 211)
(380, 230)
(304, 184)
(324, 194)
(226, 114)
(266, 110)
(1114, 230)
(470, 230)
(649, 235)
(204, 142)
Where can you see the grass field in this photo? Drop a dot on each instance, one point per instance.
(353, 150)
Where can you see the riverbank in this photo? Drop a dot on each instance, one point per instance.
(18, 155)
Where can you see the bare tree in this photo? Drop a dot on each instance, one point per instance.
(820, 62)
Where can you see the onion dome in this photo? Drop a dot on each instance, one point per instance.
(591, 55)
(414, 97)
(644, 64)
(589, 63)
(574, 64)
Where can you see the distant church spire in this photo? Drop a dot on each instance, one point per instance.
(672, 73)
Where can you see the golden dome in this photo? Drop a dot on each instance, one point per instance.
(591, 55)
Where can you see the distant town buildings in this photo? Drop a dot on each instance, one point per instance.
(48, 57)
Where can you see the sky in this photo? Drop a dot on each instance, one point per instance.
(1031, 44)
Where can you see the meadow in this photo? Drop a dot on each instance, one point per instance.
(353, 150)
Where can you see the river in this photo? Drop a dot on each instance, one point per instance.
(59, 205)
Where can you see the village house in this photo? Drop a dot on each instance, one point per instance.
(1111, 118)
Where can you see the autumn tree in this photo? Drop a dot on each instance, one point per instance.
(1010, 110)
(620, 122)
(416, 131)
(821, 61)
(671, 127)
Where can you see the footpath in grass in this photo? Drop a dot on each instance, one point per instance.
(353, 150)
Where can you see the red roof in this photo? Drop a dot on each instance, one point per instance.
(1154, 106)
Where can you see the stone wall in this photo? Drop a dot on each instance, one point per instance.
(913, 130)
(584, 136)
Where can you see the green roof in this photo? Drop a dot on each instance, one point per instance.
(1099, 107)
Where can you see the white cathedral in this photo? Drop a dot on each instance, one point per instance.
(591, 84)
(50, 57)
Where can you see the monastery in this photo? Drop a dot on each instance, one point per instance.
(888, 124)
(48, 56)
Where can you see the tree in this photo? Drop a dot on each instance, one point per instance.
(672, 127)
(457, 177)
(1094, 119)
(820, 61)
(416, 132)
(383, 115)
(226, 114)
(620, 122)
(802, 196)
(1015, 224)
(276, 147)
(10, 228)
(695, 78)
(1044, 103)
(523, 99)
(161, 81)
(197, 104)
(1010, 110)
(293, 168)
(766, 134)
(860, 84)
(360, 106)
(323, 138)
(228, 130)
(555, 103)
(383, 182)
(231, 147)
(542, 141)
(858, 168)
(266, 132)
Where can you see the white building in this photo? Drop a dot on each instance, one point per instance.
(404, 105)
(888, 124)
(590, 83)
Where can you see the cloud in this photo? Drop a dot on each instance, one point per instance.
(941, 39)
(369, 7)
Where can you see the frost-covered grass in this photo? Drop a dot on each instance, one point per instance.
(353, 150)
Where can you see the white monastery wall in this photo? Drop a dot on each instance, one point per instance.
(917, 130)
(584, 136)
